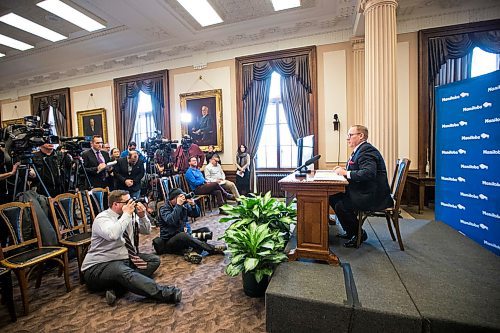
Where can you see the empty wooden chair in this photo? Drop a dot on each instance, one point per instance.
(71, 225)
(391, 214)
(98, 201)
(21, 247)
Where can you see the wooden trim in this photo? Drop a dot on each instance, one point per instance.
(67, 99)
(310, 51)
(423, 77)
(152, 75)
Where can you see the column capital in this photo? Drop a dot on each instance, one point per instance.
(366, 5)
(358, 43)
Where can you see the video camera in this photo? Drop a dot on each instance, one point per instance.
(152, 144)
(20, 140)
(186, 142)
(75, 145)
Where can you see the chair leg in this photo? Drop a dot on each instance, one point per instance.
(389, 225)
(79, 259)
(39, 277)
(23, 286)
(361, 220)
(7, 295)
(66, 274)
(395, 220)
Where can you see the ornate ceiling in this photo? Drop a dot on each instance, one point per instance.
(152, 31)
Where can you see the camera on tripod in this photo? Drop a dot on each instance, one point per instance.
(20, 140)
(152, 144)
(75, 145)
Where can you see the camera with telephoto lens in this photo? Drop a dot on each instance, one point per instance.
(142, 200)
(202, 236)
(74, 146)
(189, 195)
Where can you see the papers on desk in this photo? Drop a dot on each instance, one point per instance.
(327, 175)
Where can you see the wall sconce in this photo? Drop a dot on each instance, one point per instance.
(336, 122)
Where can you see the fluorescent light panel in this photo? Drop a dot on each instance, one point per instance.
(70, 14)
(31, 27)
(2, 55)
(14, 43)
(201, 11)
(285, 4)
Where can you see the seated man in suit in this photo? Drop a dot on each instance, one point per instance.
(199, 185)
(128, 173)
(368, 187)
(95, 161)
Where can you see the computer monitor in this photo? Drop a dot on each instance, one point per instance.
(305, 149)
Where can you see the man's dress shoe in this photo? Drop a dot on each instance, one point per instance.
(345, 235)
(354, 240)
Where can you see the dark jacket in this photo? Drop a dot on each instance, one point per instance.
(173, 219)
(368, 187)
(121, 173)
(90, 162)
(51, 170)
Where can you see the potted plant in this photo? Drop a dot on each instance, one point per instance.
(255, 252)
(261, 210)
(256, 239)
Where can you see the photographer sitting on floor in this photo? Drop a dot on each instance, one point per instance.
(175, 234)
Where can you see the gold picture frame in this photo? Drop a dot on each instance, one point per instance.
(16, 121)
(204, 129)
(98, 118)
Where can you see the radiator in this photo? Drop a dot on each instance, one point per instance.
(269, 182)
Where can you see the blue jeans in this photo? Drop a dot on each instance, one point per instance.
(120, 275)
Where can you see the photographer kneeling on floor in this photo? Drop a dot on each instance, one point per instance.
(175, 234)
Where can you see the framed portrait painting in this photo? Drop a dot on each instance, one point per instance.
(8, 122)
(201, 118)
(92, 122)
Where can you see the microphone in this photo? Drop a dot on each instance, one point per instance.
(308, 162)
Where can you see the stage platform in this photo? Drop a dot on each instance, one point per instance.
(442, 282)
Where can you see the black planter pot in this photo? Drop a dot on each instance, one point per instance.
(252, 288)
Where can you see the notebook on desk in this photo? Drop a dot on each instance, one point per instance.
(327, 175)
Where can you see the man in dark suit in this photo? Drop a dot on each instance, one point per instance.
(128, 173)
(95, 161)
(368, 187)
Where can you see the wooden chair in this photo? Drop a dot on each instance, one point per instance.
(21, 247)
(391, 214)
(165, 187)
(71, 225)
(98, 201)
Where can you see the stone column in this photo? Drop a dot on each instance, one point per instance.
(358, 51)
(380, 78)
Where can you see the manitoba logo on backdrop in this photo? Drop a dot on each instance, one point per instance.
(475, 225)
(453, 179)
(460, 123)
(453, 97)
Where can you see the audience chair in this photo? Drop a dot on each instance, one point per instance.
(391, 214)
(7, 292)
(21, 247)
(98, 201)
(71, 224)
(165, 187)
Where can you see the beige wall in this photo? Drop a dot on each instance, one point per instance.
(335, 95)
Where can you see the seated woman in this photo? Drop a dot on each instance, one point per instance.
(176, 236)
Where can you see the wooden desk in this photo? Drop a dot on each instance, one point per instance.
(312, 216)
(422, 181)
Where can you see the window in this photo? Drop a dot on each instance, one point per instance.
(483, 62)
(144, 123)
(276, 147)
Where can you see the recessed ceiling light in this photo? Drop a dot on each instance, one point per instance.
(201, 11)
(2, 55)
(285, 4)
(14, 43)
(70, 14)
(31, 27)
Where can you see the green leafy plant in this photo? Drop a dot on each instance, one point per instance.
(255, 249)
(261, 210)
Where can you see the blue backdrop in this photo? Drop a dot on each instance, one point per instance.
(468, 156)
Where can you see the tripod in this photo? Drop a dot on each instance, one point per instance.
(75, 174)
(26, 167)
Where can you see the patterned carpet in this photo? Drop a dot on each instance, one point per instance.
(212, 301)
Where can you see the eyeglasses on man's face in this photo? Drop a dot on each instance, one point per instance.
(349, 135)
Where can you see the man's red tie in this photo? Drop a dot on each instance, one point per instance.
(132, 253)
